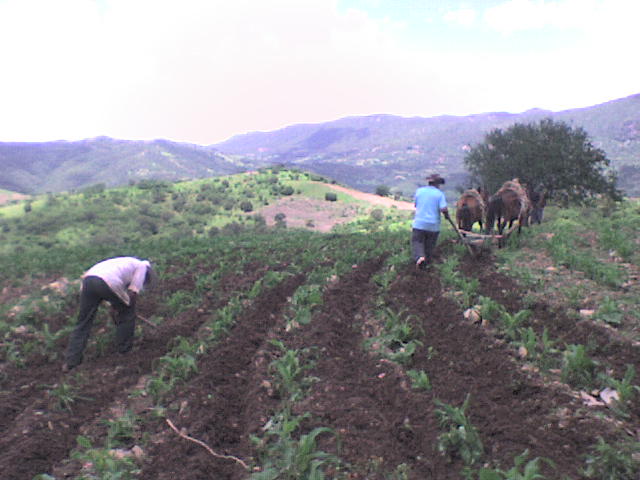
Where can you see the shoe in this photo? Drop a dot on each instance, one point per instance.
(421, 263)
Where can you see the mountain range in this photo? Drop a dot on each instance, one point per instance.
(362, 152)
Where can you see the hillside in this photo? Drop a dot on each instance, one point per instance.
(382, 149)
(285, 353)
(62, 166)
(361, 152)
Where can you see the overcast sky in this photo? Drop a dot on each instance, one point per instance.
(202, 71)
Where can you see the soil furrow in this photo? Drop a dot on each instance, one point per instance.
(512, 409)
(214, 402)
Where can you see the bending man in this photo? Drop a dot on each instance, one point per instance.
(118, 281)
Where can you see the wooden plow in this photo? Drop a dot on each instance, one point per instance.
(480, 241)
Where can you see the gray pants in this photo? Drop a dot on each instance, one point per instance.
(94, 291)
(422, 243)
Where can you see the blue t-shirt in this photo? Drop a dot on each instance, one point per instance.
(429, 201)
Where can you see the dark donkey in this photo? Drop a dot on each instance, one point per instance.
(509, 204)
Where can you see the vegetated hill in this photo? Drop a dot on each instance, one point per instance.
(61, 165)
(383, 149)
(362, 152)
(200, 208)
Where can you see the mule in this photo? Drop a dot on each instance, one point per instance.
(509, 204)
(470, 209)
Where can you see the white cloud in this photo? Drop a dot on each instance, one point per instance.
(203, 70)
(465, 17)
(589, 16)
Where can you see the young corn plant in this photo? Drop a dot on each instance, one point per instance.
(419, 379)
(578, 370)
(289, 373)
(462, 439)
(609, 312)
(396, 341)
(520, 471)
(65, 395)
(512, 323)
(101, 464)
(285, 457)
(121, 431)
(304, 301)
(529, 340)
(546, 357)
(491, 310)
(613, 462)
(626, 390)
(49, 339)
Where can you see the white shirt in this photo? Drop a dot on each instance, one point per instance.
(121, 273)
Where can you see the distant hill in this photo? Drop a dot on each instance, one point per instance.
(362, 152)
(62, 166)
(368, 151)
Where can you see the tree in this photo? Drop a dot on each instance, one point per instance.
(246, 206)
(550, 155)
(330, 197)
(383, 190)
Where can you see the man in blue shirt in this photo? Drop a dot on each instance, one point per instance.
(430, 202)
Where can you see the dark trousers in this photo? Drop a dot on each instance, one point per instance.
(94, 291)
(422, 243)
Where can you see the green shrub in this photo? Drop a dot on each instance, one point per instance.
(330, 197)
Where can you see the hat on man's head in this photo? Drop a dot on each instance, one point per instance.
(435, 179)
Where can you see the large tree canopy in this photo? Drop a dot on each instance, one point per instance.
(550, 155)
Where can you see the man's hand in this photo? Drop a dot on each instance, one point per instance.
(445, 212)
(133, 297)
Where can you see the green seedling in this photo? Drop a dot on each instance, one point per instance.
(609, 312)
(121, 431)
(613, 462)
(578, 370)
(626, 391)
(546, 357)
(65, 395)
(287, 458)
(512, 323)
(462, 439)
(289, 373)
(419, 379)
(101, 464)
(490, 309)
(520, 471)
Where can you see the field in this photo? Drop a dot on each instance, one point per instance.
(292, 354)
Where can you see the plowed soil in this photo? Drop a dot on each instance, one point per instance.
(379, 421)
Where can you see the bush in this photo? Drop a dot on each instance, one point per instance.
(377, 214)
(246, 206)
(287, 190)
(383, 190)
(330, 197)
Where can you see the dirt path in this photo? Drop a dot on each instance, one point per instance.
(7, 197)
(373, 199)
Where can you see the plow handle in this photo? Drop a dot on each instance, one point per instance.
(460, 235)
